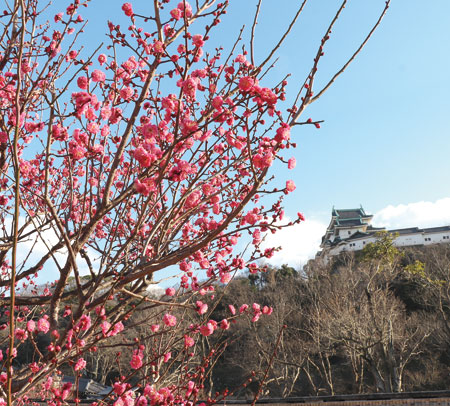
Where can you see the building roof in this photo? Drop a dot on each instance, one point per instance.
(436, 229)
(344, 218)
(349, 213)
(349, 223)
(415, 230)
(87, 387)
(352, 218)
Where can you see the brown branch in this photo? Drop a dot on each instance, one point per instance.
(277, 343)
(252, 37)
(341, 71)
(280, 42)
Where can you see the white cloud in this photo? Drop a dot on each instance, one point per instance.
(419, 214)
(32, 249)
(299, 243)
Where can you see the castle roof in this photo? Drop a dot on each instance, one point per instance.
(343, 219)
(349, 225)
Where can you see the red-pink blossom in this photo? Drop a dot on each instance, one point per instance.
(256, 317)
(269, 252)
(98, 76)
(207, 329)
(141, 187)
(21, 334)
(92, 127)
(225, 277)
(126, 93)
(217, 102)
(31, 326)
(84, 323)
(202, 308)
(224, 324)
(246, 83)
(283, 133)
(252, 217)
(232, 309)
(262, 161)
(82, 82)
(188, 341)
(186, 7)
(158, 47)
(290, 186)
(106, 326)
(176, 13)
(43, 325)
(198, 41)
(190, 86)
(143, 157)
(71, 55)
(128, 9)
(243, 308)
(267, 310)
(292, 163)
(76, 150)
(119, 388)
(268, 96)
(193, 199)
(102, 58)
(117, 328)
(136, 360)
(81, 364)
(169, 320)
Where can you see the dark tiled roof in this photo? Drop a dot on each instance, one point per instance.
(436, 229)
(410, 230)
(349, 223)
(350, 214)
(414, 230)
(86, 386)
(357, 235)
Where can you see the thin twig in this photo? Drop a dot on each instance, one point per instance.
(252, 37)
(280, 42)
(325, 88)
(266, 373)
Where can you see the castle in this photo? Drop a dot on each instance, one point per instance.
(350, 230)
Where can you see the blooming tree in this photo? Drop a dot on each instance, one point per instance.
(147, 154)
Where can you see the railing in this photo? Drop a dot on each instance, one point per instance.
(426, 398)
(432, 398)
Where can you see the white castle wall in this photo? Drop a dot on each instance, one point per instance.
(405, 240)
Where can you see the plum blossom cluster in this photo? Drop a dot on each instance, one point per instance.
(127, 164)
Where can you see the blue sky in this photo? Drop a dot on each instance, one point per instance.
(385, 140)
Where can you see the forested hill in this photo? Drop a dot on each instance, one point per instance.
(377, 321)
